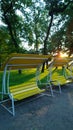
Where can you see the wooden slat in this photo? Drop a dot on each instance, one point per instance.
(25, 91)
(22, 87)
(15, 61)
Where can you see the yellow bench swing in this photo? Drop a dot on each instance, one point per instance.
(57, 67)
(69, 70)
(15, 93)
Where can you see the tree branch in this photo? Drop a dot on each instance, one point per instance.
(58, 9)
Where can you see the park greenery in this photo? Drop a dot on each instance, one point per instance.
(28, 76)
(47, 25)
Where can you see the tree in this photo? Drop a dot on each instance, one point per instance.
(69, 30)
(34, 22)
(3, 44)
(12, 21)
(62, 38)
(54, 7)
(35, 16)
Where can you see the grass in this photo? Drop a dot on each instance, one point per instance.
(28, 76)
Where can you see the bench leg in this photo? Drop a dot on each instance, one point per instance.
(59, 88)
(52, 90)
(50, 86)
(13, 108)
(4, 104)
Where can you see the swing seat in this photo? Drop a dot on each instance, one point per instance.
(24, 91)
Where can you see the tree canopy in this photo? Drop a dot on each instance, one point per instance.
(47, 25)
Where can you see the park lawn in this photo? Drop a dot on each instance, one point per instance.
(28, 76)
(25, 77)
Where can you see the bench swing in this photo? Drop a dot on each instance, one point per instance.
(56, 64)
(69, 70)
(16, 93)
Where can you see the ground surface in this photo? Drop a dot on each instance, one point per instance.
(44, 113)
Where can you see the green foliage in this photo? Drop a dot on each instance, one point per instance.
(29, 22)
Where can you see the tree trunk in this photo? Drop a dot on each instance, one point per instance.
(19, 71)
(45, 40)
(11, 34)
(47, 35)
(6, 17)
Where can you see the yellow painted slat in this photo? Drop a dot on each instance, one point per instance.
(27, 94)
(18, 88)
(24, 91)
(25, 60)
(60, 61)
(21, 90)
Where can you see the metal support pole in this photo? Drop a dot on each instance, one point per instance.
(8, 81)
(4, 82)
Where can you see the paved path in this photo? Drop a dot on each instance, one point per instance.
(44, 113)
